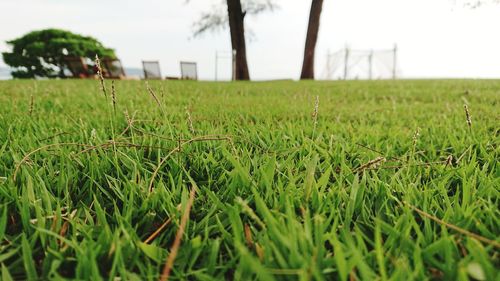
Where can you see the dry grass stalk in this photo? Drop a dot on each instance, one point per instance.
(372, 164)
(259, 251)
(115, 144)
(32, 104)
(99, 74)
(426, 164)
(54, 136)
(190, 120)
(65, 227)
(467, 115)
(54, 223)
(352, 275)
(248, 236)
(153, 94)
(177, 140)
(379, 152)
(463, 250)
(158, 231)
(178, 237)
(449, 160)
(130, 122)
(113, 95)
(51, 217)
(457, 161)
(155, 135)
(454, 227)
(27, 156)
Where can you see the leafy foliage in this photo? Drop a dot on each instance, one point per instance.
(41, 53)
(475, 4)
(216, 19)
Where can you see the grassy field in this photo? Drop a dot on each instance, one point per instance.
(288, 181)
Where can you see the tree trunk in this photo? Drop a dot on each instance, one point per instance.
(311, 39)
(237, 29)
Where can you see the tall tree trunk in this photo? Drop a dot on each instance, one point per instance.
(311, 39)
(237, 29)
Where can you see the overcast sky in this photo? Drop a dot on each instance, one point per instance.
(436, 38)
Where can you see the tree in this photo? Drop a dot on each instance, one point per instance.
(474, 4)
(237, 29)
(311, 39)
(42, 53)
(478, 3)
(234, 16)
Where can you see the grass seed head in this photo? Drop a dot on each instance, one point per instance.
(93, 134)
(315, 111)
(130, 120)
(99, 74)
(416, 135)
(153, 94)
(467, 115)
(127, 116)
(113, 94)
(32, 104)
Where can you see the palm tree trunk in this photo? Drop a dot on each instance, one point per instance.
(237, 29)
(311, 39)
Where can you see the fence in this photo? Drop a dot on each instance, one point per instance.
(362, 64)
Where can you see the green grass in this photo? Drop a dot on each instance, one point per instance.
(278, 196)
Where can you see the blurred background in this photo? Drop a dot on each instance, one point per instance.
(435, 38)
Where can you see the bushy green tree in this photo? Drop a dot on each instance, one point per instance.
(41, 53)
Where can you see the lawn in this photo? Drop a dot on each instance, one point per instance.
(252, 181)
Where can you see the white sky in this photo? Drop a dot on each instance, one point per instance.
(436, 38)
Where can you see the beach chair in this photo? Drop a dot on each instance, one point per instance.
(151, 70)
(189, 70)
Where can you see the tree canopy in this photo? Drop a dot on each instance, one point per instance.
(42, 53)
(474, 4)
(217, 18)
